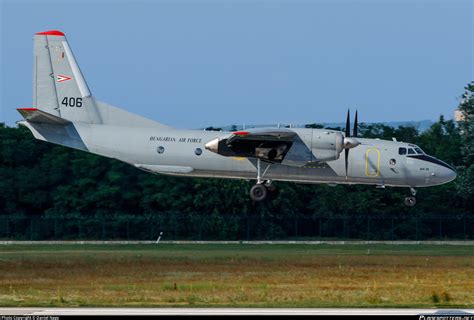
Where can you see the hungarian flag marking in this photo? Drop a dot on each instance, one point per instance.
(62, 78)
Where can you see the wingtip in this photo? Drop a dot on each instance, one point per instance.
(51, 33)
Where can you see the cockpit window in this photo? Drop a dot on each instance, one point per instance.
(402, 151)
(411, 151)
(418, 150)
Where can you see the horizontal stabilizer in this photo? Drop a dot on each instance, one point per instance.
(39, 116)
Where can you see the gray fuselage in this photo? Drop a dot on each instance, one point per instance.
(183, 152)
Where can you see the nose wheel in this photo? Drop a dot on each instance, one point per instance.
(410, 201)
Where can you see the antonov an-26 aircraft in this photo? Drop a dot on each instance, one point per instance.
(66, 113)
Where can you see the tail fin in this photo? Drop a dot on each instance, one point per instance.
(59, 88)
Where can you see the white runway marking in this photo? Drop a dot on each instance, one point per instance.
(230, 311)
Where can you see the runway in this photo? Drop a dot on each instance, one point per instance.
(256, 242)
(230, 311)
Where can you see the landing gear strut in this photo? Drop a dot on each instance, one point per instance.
(410, 201)
(263, 189)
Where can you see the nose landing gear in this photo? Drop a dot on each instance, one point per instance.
(410, 201)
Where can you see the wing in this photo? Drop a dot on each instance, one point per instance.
(263, 135)
(267, 144)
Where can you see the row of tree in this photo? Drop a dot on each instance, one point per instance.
(38, 178)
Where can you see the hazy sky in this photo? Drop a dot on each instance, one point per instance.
(197, 63)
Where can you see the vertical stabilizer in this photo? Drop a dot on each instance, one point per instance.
(59, 87)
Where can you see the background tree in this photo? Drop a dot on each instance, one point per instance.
(466, 126)
(42, 179)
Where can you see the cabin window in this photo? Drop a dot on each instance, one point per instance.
(198, 151)
(160, 149)
(411, 151)
(402, 151)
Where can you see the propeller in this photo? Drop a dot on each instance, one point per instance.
(354, 132)
(350, 142)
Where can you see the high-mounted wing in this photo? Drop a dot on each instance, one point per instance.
(267, 144)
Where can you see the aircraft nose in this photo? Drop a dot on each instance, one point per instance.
(441, 172)
(447, 173)
(450, 175)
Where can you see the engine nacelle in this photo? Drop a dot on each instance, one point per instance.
(310, 145)
(326, 145)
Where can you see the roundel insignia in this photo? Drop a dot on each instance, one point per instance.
(62, 78)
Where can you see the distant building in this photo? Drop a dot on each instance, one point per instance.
(459, 115)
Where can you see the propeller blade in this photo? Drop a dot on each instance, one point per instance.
(348, 124)
(346, 159)
(354, 133)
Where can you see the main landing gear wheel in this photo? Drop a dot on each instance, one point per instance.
(258, 192)
(262, 189)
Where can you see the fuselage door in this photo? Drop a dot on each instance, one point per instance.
(372, 162)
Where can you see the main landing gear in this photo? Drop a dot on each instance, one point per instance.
(410, 201)
(263, 189)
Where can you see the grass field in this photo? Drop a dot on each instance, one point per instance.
(237, 275)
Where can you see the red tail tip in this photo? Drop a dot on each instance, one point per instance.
(51, 33)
